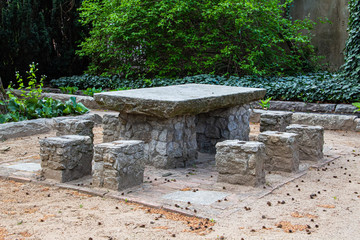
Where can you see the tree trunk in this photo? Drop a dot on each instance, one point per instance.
(3, 97)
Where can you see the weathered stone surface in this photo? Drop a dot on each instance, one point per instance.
(240, 162)
(169, 143)
(88, 101)
(255, 115)
(345, 108)
(311, 141)
(275, 121)
(75, 127)
(357, 122)
(282, 151)
(97, 119)
(328, 121)
(66, 158)
(24, 128)
(119, 165)
(220, 125)
(171, 101)
(297, 106)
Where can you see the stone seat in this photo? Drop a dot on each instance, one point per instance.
(119, 165)
(275, 121)
(240, 162)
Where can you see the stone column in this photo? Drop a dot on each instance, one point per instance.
(219, 125)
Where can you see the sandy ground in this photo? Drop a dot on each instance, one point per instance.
(323, 204)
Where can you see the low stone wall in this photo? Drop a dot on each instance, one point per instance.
(88, 101)
(38, 126)
(327, 121)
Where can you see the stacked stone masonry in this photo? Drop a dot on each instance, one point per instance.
(311, 141)
(282, 151)
(119, 165)
(66, 158)
(75, 127)
(275, 121)
(219, 125)
(240, 162)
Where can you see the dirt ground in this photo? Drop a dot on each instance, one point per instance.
(323, 204)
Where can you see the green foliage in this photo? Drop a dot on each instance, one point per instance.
(357, 104)
(90, 91)
(351, 67)
(68, 90)
(44, 31)
(319, 87)
(265, 103)
(146, 38)
(29, 105)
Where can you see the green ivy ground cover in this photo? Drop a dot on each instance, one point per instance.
(317, 87)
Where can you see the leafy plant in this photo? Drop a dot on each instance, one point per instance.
(68, 90)
(357, 104)
(265, 103)
(146, 38)
(28, 105)
(90, 91)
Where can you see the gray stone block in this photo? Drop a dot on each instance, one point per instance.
(75, 127)
(328, 121)
(311, 141)
(240, 162)
(357, 128)
(119, 165)
(66, 158)
(275, 121)
(282, 151)
(345, 108)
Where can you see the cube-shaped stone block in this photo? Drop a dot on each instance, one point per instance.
(282, 151)
(240, 162)
(66, 158)
(311, 141)
(119, 165)
(275, 121)
(75, 127)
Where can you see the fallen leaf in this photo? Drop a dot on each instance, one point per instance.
(185, 189)
(326, 206)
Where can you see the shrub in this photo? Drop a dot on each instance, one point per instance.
(175, 38)
(29, 105)
(319, 87)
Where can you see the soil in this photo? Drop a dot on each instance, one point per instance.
(323, 204)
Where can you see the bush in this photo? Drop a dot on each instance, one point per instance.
(319, 87)
(175, 38)
(29, 105)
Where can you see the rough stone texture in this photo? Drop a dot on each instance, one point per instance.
(357, 128)
(171, 101)
(275, 121)
(97, 119)
(66, 158)
(240, 162)
(24, 128)
(111, 127)
(311, 141)
(297, 106)
(345, 108)
(220, 125)
(255, 115)
(88, 101)
(282, 151)
(119, 165)
(75, 127)
(328, 121)
(169, 143)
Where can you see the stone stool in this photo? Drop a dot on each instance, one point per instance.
(275, 121)
(66, 158)
(311, 141)
(119, 165)
(75, 127)
(240, 162)
(282, 151)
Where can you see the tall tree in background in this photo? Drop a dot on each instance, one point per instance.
(42, 31)
(352, 50)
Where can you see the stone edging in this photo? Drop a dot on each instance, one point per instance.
(328, 121)
(38, 126)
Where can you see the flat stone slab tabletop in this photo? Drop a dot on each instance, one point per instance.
(171, 101)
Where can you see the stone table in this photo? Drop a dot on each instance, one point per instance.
(177, 121)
